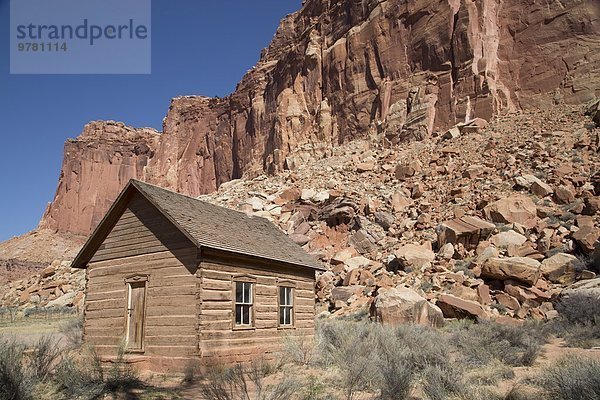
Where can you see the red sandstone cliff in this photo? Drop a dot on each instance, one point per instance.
(337, 70)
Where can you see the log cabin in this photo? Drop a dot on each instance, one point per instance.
(173, 280)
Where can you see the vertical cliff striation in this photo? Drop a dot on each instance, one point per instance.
(337, 70)
(95, 168)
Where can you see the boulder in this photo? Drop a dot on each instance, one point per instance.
(465, 230)
(586, 238)
(508, 301)
(454, 307)
(593, 110)
(404, 171)
(362, 241)
(560, 268)
(384, 219)
(343, 255)
(356, 262)
(451, 133)
(447, 251)
(399, 202)
(535, 185)
(589, 287)
(483, 294)
(290, 195)
(48, 272)
(343, 293)
(65, 300)
(509, 238)
(415, 255)
(564, 194)
(541, 189)
(521, 269)
(475, 125)
(517, 209)
(300, 240)
(487, 253)
(401, 305)
(365, 167)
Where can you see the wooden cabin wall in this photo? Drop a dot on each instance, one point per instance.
(220, 343)
(144, 242)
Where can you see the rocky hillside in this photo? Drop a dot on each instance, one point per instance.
(480, 222)
(337, 71)
(483, 221)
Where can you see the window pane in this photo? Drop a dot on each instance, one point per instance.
(281, 296)
(239, 292)
(289, 315)
(246, 315)
(281, 316)
(238, 315)
(248, 293)
(285, 296)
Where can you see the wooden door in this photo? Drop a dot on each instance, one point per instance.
(135, 316)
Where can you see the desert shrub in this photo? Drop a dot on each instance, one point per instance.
(571, 378)
(237, 383)
(386, 359)
(490, 374)
(480, 344)
(579, 320)
(522, 392)
(584, 336)
(313, 389)
(121, 377)
(444, 382)
(190, 372)
(43, 358)
(86, 379)
(298, 348)
(15, 382)
(426, 346)
(349, 347)
(80, 380)
(73, 332)
(579, 308)
(396, 374)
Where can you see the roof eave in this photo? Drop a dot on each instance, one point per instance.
(295, 264)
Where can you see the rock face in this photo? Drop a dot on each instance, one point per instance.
(394, 306)
(335, 71)
(95, 168)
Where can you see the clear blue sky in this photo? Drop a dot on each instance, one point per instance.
(198, 47)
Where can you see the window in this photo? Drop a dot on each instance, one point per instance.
(243, 303)
(286, 306)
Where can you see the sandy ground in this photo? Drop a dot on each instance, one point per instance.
(29, 332)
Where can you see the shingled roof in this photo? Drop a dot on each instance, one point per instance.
(207, 225)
